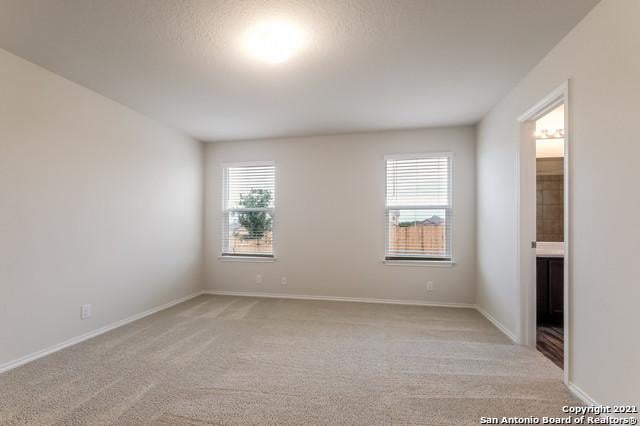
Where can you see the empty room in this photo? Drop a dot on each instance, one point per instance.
(323, 212)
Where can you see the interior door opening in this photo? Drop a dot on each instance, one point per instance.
(543, 228)
(549, 213)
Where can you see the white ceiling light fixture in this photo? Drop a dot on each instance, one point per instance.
(274, 42)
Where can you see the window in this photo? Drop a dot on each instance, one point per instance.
(249, 204)
(418, 207)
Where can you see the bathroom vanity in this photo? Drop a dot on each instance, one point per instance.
(550, 283)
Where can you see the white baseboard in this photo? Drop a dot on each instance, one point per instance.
(340, 299)
(498, 324)
(589, 401)
(581, 395)
(494, 321)
(44, 352)
(573, 388)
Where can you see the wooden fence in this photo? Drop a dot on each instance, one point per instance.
(425, 238)
(239, 244)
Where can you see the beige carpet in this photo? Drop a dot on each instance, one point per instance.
(233, 360)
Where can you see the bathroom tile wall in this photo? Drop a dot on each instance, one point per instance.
(550, 208)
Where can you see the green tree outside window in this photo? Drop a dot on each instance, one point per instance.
(256, 223)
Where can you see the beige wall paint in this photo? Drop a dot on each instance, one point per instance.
(601, 57)
(98, 204)
(330, 217)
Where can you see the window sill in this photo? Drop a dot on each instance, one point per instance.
(249, 259)
(428, 263)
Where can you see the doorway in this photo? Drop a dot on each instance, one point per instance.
(549, 246)
(543, 227)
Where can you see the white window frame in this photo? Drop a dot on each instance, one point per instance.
(224, 255)
(445, 262)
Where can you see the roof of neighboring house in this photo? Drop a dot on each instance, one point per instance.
(433, 220)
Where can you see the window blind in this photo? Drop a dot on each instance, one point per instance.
(418, 207)
(249, 207)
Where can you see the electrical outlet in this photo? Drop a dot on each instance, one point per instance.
(429, 285)
(85, 311)
(283, 281)
(259, 279)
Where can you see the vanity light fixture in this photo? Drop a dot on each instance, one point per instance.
(549, 134)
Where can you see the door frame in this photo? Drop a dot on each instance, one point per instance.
(526, 218)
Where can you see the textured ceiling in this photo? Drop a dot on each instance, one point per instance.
(369, 64)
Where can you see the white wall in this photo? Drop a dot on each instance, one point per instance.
(330, 217)
(601, 57)
(98, 204)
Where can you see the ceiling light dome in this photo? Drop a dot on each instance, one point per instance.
(273, 42)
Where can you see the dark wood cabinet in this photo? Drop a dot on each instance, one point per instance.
(550, 291)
